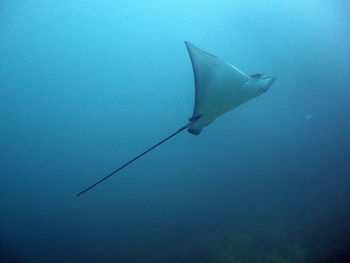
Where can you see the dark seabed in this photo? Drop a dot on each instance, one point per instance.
(86, 85)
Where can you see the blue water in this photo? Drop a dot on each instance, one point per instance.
(87, 85)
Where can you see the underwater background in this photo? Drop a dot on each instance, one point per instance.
(87, 85)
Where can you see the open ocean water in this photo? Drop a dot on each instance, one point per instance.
(87, 85)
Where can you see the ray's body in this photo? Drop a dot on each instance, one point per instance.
(219, 88)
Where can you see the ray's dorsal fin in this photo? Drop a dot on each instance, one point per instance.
(138, 156)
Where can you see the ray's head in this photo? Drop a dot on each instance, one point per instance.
(260, 83)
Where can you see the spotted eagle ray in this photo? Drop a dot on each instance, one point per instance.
(219, 88)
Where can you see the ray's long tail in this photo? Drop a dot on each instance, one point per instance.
(135, 158)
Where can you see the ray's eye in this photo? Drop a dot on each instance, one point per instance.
(256, 76)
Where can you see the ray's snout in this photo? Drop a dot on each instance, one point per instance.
(268, 82)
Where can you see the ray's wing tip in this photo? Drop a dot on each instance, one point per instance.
(188, 44)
